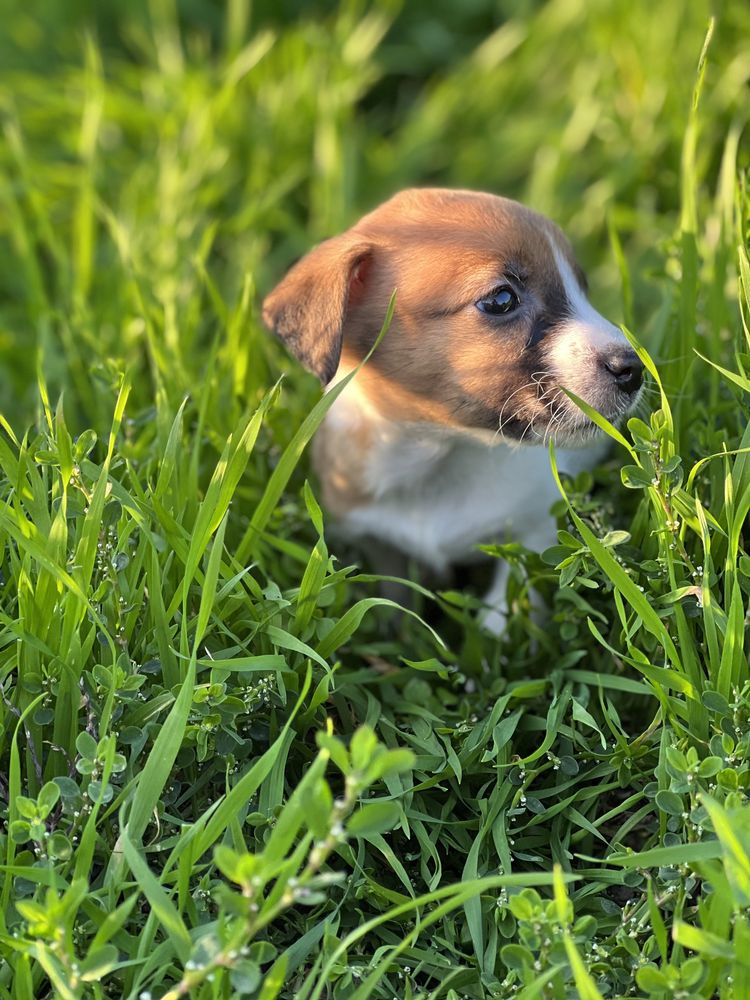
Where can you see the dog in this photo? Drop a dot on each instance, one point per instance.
(426, 449)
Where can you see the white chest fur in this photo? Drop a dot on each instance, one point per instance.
(437, 494)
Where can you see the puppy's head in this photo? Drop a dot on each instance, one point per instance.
(491, 319)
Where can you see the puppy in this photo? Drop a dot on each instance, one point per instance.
(424, 449)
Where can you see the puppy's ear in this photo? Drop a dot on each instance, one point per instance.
(307, 310)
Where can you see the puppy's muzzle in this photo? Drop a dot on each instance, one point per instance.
(625, 368)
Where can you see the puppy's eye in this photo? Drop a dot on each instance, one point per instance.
(502, 301)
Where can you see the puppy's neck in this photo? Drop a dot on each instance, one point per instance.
(363, 455)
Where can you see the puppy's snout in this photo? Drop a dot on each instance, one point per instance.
(626, 369)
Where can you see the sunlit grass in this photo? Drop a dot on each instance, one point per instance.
(228, 768)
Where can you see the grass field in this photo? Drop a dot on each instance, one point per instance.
(227, 768)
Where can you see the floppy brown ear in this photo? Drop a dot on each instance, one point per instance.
(308, 308)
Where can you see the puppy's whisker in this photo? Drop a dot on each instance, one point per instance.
(547, 392)
(501, 423)
(554, 425)
(556, 416)
(539, 377)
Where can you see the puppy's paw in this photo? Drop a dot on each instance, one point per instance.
(493, 620)
(494, 617)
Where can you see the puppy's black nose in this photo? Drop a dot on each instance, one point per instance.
(625, 367)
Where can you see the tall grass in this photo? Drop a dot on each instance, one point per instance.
(227, 768)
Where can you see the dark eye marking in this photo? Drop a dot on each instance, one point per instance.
(500, 302)
(556, 310)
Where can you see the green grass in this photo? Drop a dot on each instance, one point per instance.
(228, 768)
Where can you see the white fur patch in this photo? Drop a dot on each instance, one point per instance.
(581, 340)
(446, 494)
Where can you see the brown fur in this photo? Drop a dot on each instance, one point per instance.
(307, 310)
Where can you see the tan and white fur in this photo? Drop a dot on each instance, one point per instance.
(425, 449)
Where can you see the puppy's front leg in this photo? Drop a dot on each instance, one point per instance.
(386, 560)
(495, 615)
